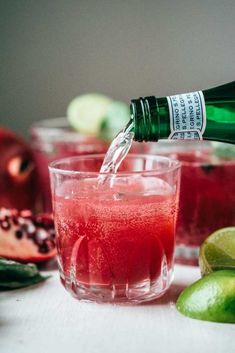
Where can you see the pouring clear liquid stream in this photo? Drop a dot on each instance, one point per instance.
(207, 114)
(118, 150)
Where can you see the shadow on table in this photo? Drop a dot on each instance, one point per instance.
(48, 266)
(169, 298)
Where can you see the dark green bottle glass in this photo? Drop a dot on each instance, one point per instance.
(207, 114)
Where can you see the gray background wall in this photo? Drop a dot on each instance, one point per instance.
(53, 50)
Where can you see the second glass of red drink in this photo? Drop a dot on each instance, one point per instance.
(207, 193)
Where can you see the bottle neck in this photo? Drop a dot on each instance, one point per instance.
(145, 117)
(207, 114)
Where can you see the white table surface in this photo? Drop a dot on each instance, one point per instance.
(46, 318)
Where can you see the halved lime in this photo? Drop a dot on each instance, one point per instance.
(212, 298)
(218, 251)
(87, 112)
(97, 115)
(116, 118)
(223, 150)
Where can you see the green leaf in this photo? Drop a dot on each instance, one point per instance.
(14, 275)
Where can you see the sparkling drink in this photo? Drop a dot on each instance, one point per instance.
(116, 238)
(207, 201)
(207, 194)
(53, 139)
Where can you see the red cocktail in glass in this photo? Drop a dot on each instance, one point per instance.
(54, 139)
(115, 237)
(207, 195)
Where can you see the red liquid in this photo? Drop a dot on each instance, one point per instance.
(47, 150)
(44, 153)
(207, 199)
(106, 241)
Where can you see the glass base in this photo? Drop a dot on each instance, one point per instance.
(186, 255)
(119, 293)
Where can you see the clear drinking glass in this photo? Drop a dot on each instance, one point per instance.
(115, 232)
(53, 139)
(207, 194)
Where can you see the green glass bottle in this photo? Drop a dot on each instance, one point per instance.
(207, 114)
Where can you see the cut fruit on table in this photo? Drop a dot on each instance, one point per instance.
(212, 298)
(218, 251)
(25, 237)
(97, 115)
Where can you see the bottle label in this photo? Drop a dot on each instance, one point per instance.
(187, 116)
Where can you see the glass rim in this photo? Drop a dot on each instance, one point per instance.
(202, 148)
(51, 123)
(53, 128)
(175, 164)
(58, 130)
(214, 163)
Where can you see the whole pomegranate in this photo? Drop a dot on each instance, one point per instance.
(18, 187)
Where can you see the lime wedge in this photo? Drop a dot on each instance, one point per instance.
(87, 112)
(218, 251)
(212, 298)
(116, 118)
(97, 115)
(224, 150)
